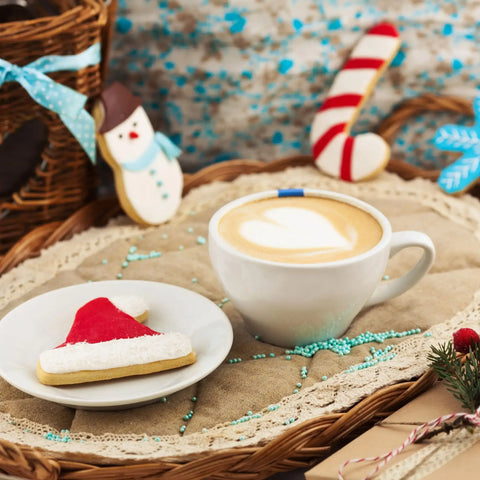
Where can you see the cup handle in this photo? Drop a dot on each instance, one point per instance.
(392, 288)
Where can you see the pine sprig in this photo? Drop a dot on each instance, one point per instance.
(461, 374)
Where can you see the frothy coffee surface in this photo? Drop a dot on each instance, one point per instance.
(300, 229)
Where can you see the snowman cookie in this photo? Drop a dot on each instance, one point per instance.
(148, 177)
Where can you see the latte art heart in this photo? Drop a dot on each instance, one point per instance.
(299, 229)
(295, 229)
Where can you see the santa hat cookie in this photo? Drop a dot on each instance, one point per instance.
(336, 153)
(105, 342)
(148, 177)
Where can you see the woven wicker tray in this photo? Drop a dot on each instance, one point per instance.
(302, 446)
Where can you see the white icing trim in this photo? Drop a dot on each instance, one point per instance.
(115, 353)
(130, 304)
(326, 119)
(356, 81)
(329, 160)
(375, 46)
(368, 155)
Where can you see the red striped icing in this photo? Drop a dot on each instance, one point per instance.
(386, 29)
(346, 100)
(350, 100)
(325, 139)
(346, 164)
(354, 63)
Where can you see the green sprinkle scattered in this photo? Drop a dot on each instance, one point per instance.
(189, 229)
(191, 213)
(201, 240)
(180, 247)
(380, 355)
(194, 280)
(324, 377)
(428, 334)
(288, 357)
(165, 195)
(164, 399)
(343, 346)
(119, 275)
(132, 249)
(104, 261)
(225, 300)
(125, 264)
(164, 236)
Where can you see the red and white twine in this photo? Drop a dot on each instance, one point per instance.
(417, 434)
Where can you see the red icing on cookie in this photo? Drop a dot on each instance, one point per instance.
(100, 321)
(386, 29)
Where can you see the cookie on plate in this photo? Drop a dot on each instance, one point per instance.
(104, 343)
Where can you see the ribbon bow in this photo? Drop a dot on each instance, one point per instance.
(67, 103)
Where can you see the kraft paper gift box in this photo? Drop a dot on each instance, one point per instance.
(456, 455)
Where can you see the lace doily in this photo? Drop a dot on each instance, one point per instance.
(337, 393)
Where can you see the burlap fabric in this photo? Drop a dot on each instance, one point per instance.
(444, 300)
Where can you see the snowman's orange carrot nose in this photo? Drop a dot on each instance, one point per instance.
(133, 135)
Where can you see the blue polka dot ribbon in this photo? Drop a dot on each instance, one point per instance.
(66, 102)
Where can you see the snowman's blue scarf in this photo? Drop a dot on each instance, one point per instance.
(160, 143)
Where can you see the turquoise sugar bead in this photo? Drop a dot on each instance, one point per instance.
(343, 346)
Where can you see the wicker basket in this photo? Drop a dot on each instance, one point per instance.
(99, 212)
(300, 447)
(64, 179)
(410, 109)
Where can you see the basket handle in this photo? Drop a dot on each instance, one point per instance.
(412, 107)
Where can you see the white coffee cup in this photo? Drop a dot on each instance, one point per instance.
(290, 304)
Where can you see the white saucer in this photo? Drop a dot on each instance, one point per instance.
(44, 321)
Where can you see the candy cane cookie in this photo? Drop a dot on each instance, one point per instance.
(335, 151)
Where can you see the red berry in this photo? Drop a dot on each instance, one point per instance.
(462, 339)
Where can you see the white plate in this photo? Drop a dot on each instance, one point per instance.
(44, 321)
